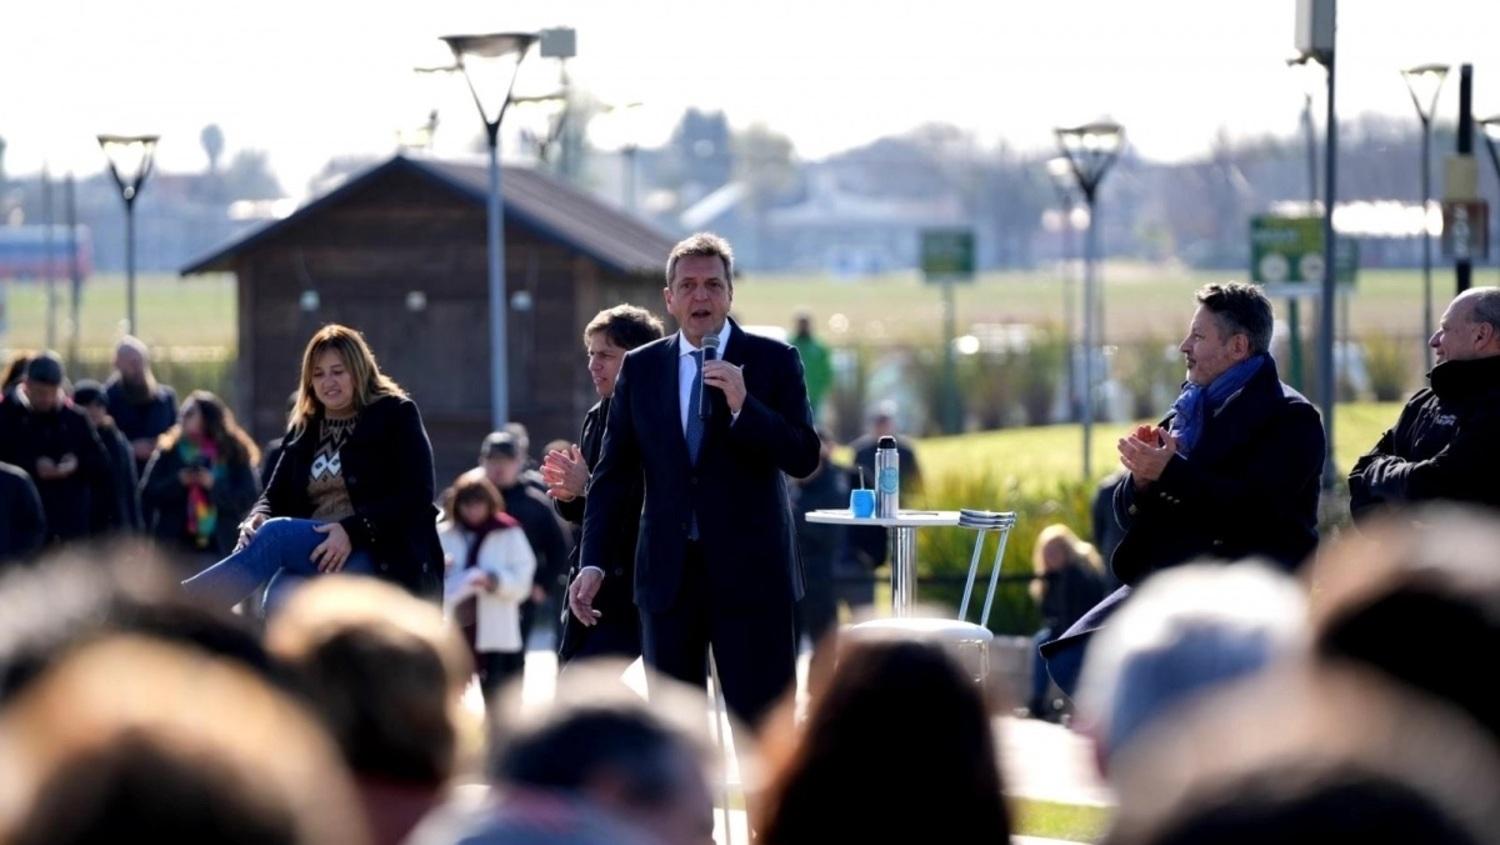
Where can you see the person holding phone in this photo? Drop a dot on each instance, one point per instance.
(201, 480)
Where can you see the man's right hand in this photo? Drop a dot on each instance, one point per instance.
(46, 470)
(248, 528)
(581, 595)
(143, 448)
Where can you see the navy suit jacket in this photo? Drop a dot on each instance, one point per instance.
(737, 489)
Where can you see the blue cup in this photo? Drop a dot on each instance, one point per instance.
(862, 503)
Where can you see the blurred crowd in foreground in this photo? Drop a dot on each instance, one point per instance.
(1227, 704)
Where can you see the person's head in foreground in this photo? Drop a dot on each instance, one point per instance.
(1419, 601)
(129, 740)
(605, 760)
(1310, 757)
(81, 594)
(1186, 631)
(898, 719)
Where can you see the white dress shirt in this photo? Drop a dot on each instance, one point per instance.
(687, 370)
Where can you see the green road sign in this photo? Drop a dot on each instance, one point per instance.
(948, 255)
(1289, 250)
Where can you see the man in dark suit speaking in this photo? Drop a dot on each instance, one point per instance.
(716, 560)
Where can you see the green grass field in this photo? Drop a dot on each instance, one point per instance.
(1140, 300)
(1039, 456)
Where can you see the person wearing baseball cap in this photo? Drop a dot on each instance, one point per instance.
(50, 439)
(125, 515)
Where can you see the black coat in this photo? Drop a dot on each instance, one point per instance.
(543, 532)
(23, 526)
(124, 513)
(737, 489)
(141, 420)
(387, 468)
(1446, 445)
(164, 500)
(1250, 487)
(616, 591)
(81, 505)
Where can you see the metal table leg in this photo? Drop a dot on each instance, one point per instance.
(904, 570)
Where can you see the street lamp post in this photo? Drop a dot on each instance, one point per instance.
(489, 64)
(1424, 82)
(1490, 128)
(1090, 150)
(130, 159)
(1061, 173)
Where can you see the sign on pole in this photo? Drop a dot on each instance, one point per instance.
(1466, 229)
(948, 255)
(1286, 255)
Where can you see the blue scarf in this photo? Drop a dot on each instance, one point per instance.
(1194, 404)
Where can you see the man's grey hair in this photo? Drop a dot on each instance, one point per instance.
(1486, 305)
(1186, 631)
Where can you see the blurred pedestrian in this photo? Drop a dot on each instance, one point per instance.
(143, 408)
(14, 373)
(821, 547)
(490, 567)
(1067, 580)
(201, 482)
(53, 441)
(501, 462)
(353, 491)
(124, 513)
(23, 528)
(817, 362)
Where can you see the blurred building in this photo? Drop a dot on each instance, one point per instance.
(398, 252)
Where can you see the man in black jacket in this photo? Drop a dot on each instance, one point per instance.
(139, 405)
(713, 437)
(53, 442)
(23, 527)
(616, 630)
(1446, 444)
(124, 513)
(1232, 472)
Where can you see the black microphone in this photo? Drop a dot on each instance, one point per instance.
(710, 353)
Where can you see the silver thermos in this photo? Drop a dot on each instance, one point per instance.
(887, 478)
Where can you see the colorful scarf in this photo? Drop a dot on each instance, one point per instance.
(202, 516)
(1196, 402)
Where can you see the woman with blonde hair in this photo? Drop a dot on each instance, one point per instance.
(352, 491)
(1067, 580)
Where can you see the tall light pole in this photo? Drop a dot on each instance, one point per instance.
(130, 159)
(1061, 173)
(1090, 150)
(1315, 36)
(1299, 64)
(1424, 82)
(1489, 128)
(489, 64)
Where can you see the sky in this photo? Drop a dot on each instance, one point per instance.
(307, 80)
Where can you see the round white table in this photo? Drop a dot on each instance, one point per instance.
(904, 527)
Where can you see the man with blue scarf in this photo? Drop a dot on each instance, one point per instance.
(1231, 472)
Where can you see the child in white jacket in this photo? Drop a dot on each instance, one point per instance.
(489, 571)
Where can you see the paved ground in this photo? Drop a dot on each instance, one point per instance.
(1041, 761)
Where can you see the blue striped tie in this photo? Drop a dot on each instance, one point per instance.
(695, 418)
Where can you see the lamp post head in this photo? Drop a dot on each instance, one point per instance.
(1424, 82)
(130, 159)
(489, 63)
(1090, 149)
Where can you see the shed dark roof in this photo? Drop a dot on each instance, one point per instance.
(533, 200)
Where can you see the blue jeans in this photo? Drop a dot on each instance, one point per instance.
(281, 554)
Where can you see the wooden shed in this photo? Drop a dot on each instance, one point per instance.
(398, 252)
